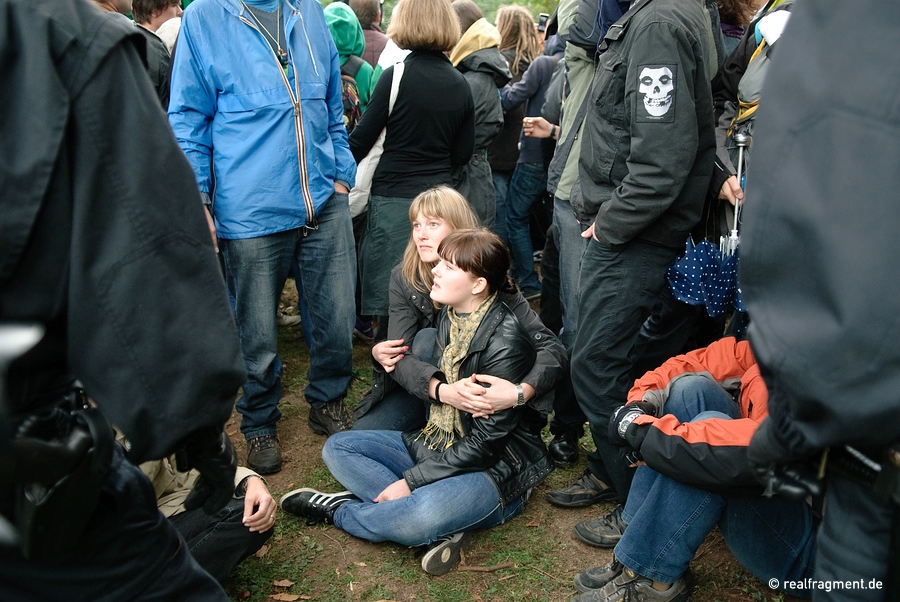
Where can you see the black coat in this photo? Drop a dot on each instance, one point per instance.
(104, 246)
(507, 444)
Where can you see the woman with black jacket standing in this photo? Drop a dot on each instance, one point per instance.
(429, 132)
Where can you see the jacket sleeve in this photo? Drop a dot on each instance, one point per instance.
(724, 361)
(366, 132)
(662, 148)
(344, 160)
(514, 95)
(411, 373)
(464, 144)
(551, 360)
(192, 103)
(488, 114)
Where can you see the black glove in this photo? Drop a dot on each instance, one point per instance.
(209, 451)
(783, 471)
(621, 420)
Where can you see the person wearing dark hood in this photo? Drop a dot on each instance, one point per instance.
(477, 56)
(89, 231)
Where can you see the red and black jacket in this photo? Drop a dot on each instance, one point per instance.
(711, 453)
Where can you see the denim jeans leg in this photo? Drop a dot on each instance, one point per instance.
(327, 261)
(400, 410)
(528, 183)
(773, 538)
(501, 181)
(571, 250)
(667, 521)
(255, 271)
(617, 290)
(693, 395)
(365, 462)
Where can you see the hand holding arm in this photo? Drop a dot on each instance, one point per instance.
(484, 394)
(388, 353)
(259, 506)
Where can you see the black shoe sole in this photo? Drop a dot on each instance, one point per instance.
(270, 469)
(606, 496)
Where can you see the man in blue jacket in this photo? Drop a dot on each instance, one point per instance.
(256, 106)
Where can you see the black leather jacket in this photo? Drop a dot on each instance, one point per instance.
(507, 445)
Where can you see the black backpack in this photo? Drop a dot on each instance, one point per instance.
(350, 92)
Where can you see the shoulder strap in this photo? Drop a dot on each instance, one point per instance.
(395, 85)
(352, 66)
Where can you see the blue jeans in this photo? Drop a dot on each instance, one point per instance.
(616, 292)
(366, 462)
(400, 410)
(528, 183)
(501, 181)
(571, 249)
(668, 520)
(255, 270)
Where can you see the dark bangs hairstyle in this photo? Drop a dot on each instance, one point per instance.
(480, 253)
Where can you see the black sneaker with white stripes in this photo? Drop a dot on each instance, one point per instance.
(315, 506)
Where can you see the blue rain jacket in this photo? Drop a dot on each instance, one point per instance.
(270, 142)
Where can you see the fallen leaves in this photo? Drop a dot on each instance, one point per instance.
(283, 583)
(262, 551)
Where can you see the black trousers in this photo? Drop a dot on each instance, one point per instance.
(130, 552)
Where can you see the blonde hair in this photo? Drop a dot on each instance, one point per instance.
(516, 27)
(441, 202)
(424, 25)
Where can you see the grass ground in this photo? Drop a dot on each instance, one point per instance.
(537, 549)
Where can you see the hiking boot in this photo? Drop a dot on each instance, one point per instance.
(316, 507)
(564, 450)
(264, 454)
(631, 587)
(586, 491)
(331, 418)
(443, 555)
(602, 532)
(598, 576)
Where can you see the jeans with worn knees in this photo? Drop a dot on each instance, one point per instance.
(669, 520)
(366, 462)
(400, 410)
(529, 182)
(256, 269)
(616, 292)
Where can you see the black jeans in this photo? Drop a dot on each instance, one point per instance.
(617, 291)
(130, 552)
(221, 541)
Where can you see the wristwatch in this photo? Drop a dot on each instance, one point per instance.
(626, 421)
(521, 400)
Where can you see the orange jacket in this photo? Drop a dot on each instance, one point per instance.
(708, 453)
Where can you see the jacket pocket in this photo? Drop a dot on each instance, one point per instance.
(607, 114)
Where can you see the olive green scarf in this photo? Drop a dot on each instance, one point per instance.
(444, 421)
